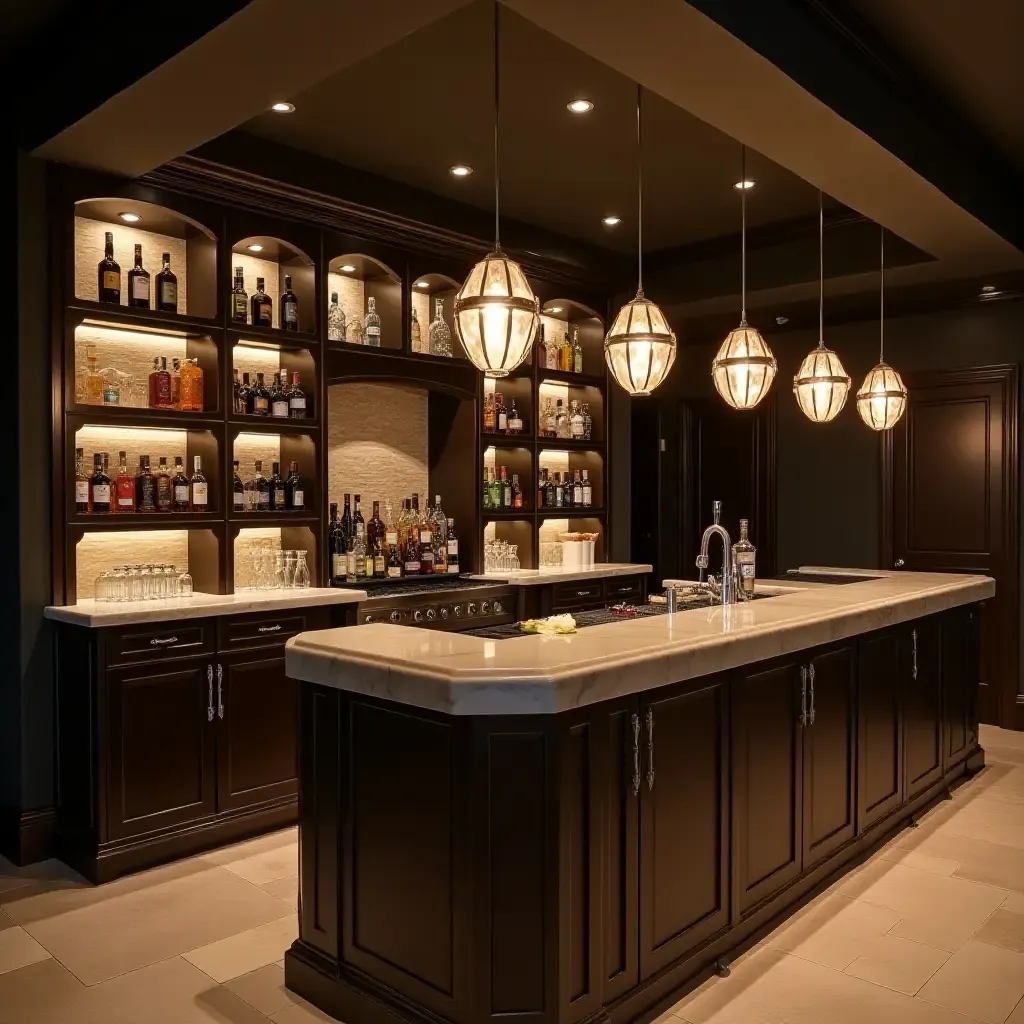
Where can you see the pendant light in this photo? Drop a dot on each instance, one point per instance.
(496, 312)
(640, 348)
(821, 384)
(882, 398)
(744, 368)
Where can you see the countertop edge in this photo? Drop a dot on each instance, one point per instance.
(540, 577)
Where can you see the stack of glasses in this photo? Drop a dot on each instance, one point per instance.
(500, 556)
(267, 568)
(142, 583)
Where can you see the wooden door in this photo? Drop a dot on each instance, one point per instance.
(684, 873)
(950, 505)
(161, 749)
(960, 629)
(767, 781)
(257, 730)
(921, 670)
(879, 732)
(829, 754)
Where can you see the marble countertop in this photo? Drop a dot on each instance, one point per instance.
(467, 675)
(556, 574)
(126, 613)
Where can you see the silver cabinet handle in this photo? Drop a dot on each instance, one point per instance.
(913, 637)
(803, 696)
(582, 593)
(636, 754)
(209, 693)
(813, 713)
(650, 748)
(220, 691)
(269, 629)
(158, 642)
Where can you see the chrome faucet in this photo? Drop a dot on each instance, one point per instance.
(717, 530)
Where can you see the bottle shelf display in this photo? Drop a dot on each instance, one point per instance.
(272, 288)
(364, 303)
(274, 476)
(272, 384)
(432, 324)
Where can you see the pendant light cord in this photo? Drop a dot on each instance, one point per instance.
(639, 195)
(821, 270)
(743, 234)
(497, 108)
(881, 299)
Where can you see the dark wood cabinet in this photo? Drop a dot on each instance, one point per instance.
(960, 644)
(921, 671)
(880, 728)
(161, 769)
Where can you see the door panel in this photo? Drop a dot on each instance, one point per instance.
(960, 712)
(880, 735)
(829, 737)
(921, 670)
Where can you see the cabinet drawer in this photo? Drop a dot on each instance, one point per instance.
(574, 595)
(266, 629)
(623, 588)
(160, 641)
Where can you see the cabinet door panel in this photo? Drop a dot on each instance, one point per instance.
(960, 684)
(829, 807)
(767, 762)
(257, 738)
(922, 706)
(161, 767)
(683, 825)
(880, 734)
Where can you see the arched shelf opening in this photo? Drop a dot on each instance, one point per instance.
(563, 319)
(368, 310)
(432, 317)
(272, 259)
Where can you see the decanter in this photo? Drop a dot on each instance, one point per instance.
(588, 421)
(415, 334)
(335, 320)
(354, 331)
(371, 323)
(440, 338)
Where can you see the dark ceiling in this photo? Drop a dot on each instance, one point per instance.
(425, 103)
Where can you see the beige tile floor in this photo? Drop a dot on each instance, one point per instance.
(929, 931)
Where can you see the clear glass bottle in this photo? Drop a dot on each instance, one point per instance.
(576, 425)
(577, 352)
(92, 390)
(440, 337)
(552, 353)
(355, 331)
(335, 320)
(453, 548)
(371, 323)
(588, 421)
(565, 353)
(588, 491)
(561, 420)
(176, 383)
(440, 521)
(199, 487)
(415, 333)
(81, 484)
(744, 557)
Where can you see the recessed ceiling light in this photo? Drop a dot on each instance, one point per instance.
(129, 218)
(255, 247)
(460, 171)
(554, 309)
(745, 183)
(580, 106)
(422, 284)
(780, 320)
(610, 222)
(348, 268)
(283, 108)
(988, 288)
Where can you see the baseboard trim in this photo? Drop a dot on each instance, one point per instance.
(27, 836)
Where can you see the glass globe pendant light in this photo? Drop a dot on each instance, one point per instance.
(496, 312)
(882, 398)
(640, 348)
(821, 385)
(744, 368)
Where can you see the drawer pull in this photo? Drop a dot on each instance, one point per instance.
(220, 691)
(209, 693)
(636, 754)
(158, 642)
(650, 748)
(269, 629)
(582, 593)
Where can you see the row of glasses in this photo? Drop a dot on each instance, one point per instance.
(142, 582)
(500, 556)
(268, 568)
(550, 553)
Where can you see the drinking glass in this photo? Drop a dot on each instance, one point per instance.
(184, 585)
(289, 569)
(301, 578)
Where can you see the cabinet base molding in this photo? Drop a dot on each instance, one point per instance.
(27, 836)
(112, 860)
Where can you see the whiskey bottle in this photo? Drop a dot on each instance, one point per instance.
(501, 414)
(489, 416)
(289, 306)
(515, 421)
(138, 282)
(542, 489)
(414, 516)
(565, 353)
(411, 555)
(371, 323)
(237, 489)
(260, 398)
(551, 420)
(192, 399)
(375, 528)
(552, 353)
(393, 565)
(517, 492)
(335, 546)
(175, 383)
(180, 485)
(439, 336)
(82, 506)
(279, 399)
(296, 399)
(109, 272)
(145, 487)
(239, 299)
(99, 485)
(379, 560)
(577, 352)
(744, 557)
(439, 522)
(277, 495)
(335, 320)
(577, 491)
(164, 488)
(200, 488)
(244, 407)
(415, 334)
(567, 490)
(166, 287)
(294, 491)
(453, 548)
(260, 488)
(541, 358)
(124, 485)
(92, 383)
(561, 420)
(557, 492)
(262, 306)
(576, 430)
(160, 385)
(588, 491)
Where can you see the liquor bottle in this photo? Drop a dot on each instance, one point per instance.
(154, 375)
(541, 358)
(277, 497)
(160, 385)
(393, 565)
(260, 398)
(577, 491)
(236, 386)
(744, 557)
(517, 492)
(99, 485)
(239, 299)
(565, 353)
(335, 320)
(358, 523)
(192, 399)
(237, 489)
(294, 490)
(415, 334)
(164, 489)
(577, 352)
(542, 489)
(439, 336)
(486, 495)
(262, 306)
(354, 332)
(92, 382)
(138, 283)
(260, 487)
(453, 548)
(557, 501)
(109, 273)
(296, 399)
(375, 528)
(244, 407)
(426, 547)
(552, 353)
(351, 569)
(506, 489)
(588, 491)
(333, 533)
(551, 420)
(490, 421)
(576, 428)
(346, 519)
(402, 528)
(411, 553)
(175, 383)
(561, 420)
(371, 323)
(496, 490)
(358, 556)
(588, 421)
(124, 485)
(379, 559)
(199, 487)
(414, 516)
(289, 306)
(166, 287)
(180, 486)
(501, 414)
(81, 484)
(145, 487)
(515, 421)
(567, 490)
(278, 399)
